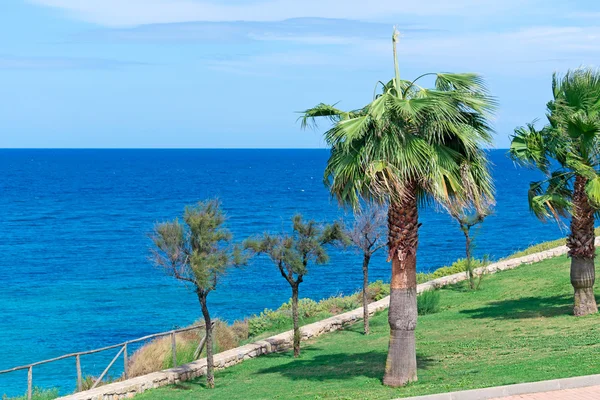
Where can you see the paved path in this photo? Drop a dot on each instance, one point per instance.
(576, 388)
(586, 393)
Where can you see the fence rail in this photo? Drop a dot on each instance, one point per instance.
(123, 351)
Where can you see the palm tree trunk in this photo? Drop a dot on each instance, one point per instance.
(366, 259)
(295, 320)
(582, 250)
(403, 225)
(210, 362)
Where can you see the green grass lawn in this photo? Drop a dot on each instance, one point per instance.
(517, 328)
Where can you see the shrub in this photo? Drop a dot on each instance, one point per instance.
(225, 336)
(306, 308)
(156, 354)
(185, 352)
(338, 304)
(428, 302)
(423, 277)
(376, 291)
(276, 320)
(150, 357)
(456, 267)
(240, 328)
(37, 394)
(267, 320)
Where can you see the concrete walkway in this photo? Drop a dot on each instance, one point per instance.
(586, 393)
(576, 388)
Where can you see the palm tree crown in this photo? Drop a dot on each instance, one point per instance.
(570, 142)
(429, 137)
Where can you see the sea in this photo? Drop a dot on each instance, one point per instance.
(75, 267)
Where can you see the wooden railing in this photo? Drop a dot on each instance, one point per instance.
(123, 351)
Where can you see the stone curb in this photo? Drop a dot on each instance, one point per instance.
(498, 392)
(283, 341)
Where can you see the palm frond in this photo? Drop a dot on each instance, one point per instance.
(592, 189)
(528, 147)
(551, 198)
(468, 82)
(322, 110)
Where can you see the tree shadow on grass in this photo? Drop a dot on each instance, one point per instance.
(526, 307)
(339, 366)
(189, 385)
(461, 287)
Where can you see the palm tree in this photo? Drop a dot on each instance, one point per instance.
(410, 146)
(567, 151)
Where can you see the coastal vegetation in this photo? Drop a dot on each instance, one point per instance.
(409, 147)
(567, 151)
(197, 253)
(156, 355)
(37, 394)
(517, 328)
(293, 253)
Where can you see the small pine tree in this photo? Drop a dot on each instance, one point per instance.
(198, 252)
(293, 253)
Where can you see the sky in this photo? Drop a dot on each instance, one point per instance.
(235, 73)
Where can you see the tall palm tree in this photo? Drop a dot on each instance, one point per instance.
(410, 146)
(567, 151)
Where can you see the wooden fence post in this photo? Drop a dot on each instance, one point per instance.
(29, 383)
(125, 362)
(79, 376)
(200, 347)
(174, 348)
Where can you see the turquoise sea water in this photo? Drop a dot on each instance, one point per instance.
(74, 268)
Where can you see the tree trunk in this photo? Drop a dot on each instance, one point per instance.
(582, 250)
(297, 335)
(403, 218)
(366, 299)
(210, 362)
(468, 260)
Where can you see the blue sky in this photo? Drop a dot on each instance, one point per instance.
(196, 73)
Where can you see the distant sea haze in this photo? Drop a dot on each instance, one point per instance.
(75, 271)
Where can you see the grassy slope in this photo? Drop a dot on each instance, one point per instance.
(517, 328)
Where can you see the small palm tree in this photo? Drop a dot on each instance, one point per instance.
(410, 146)
(567, 151)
